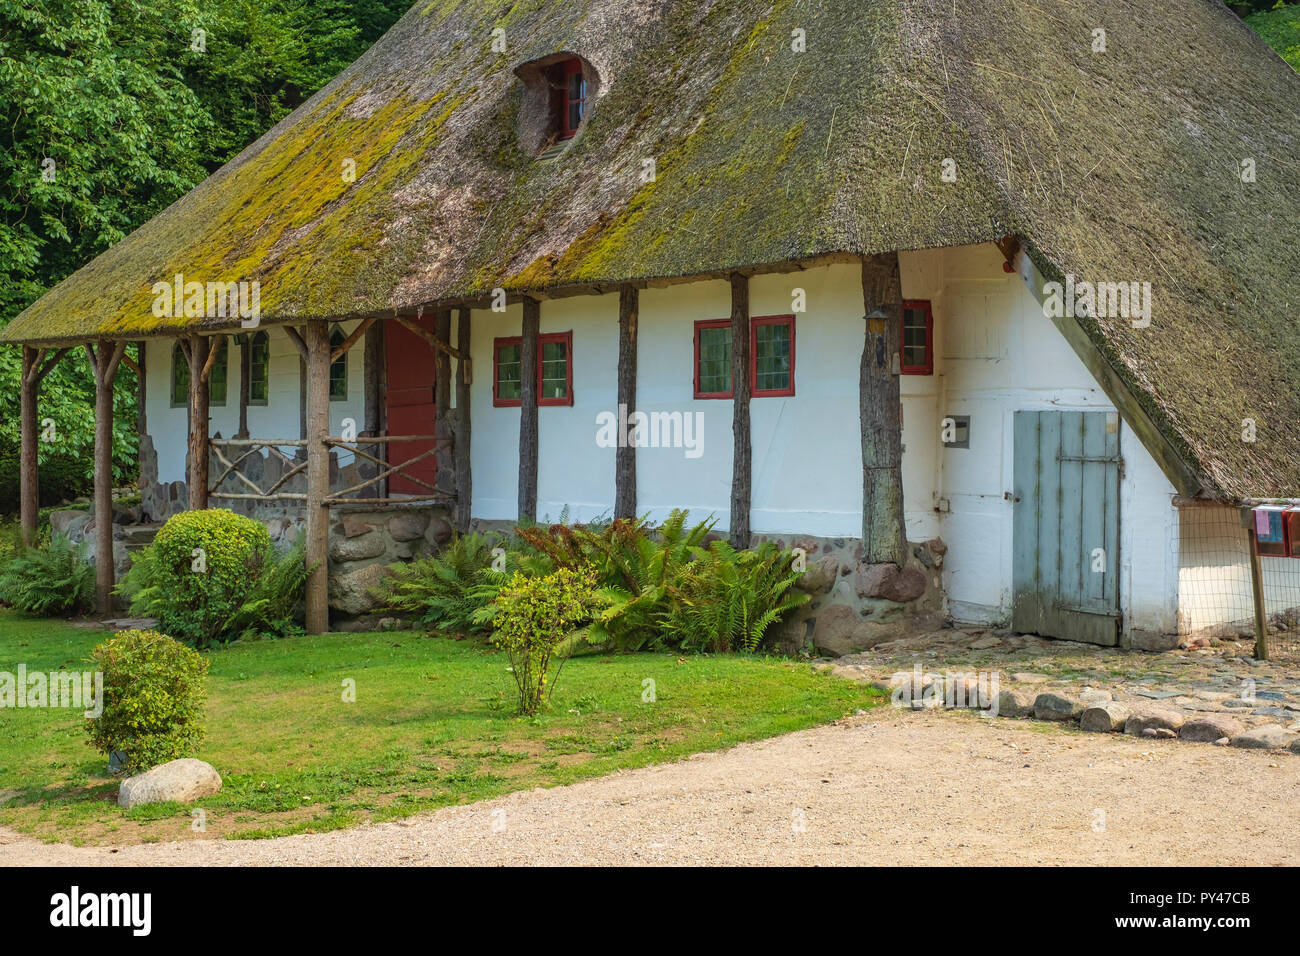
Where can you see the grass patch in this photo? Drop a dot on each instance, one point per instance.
(432, 725)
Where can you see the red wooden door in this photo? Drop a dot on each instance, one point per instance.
(411, 409)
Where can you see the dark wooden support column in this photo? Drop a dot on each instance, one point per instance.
(28, 479)
(625, 455)
(464, 379)
(200, 353)
(528, 412)
(374, 378)
(36, 364)
(443, 423)
(884, 532)
(103, 365)
(743, 455)
(245, 370)
(318, 475)
(141, 400)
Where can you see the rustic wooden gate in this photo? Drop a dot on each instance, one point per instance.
(1066, 526)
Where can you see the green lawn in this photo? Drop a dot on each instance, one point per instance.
(432, 725)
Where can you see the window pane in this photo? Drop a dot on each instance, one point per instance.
(715, 361)
(217, 377)
(915, 345)
(339, 369)
(508, 380)
(555, 363)
(259, 369)
(180, 378)
(772, 357)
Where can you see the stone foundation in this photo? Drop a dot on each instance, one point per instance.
(856, 605)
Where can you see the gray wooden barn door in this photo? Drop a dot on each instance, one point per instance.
(1066, 526)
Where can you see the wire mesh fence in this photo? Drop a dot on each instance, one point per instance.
(1216, 592)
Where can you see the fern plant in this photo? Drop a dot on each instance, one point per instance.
(448, 590)
(634, 565)
(726, 600)
(55, 580)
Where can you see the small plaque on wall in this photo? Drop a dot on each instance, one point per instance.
(956, 431)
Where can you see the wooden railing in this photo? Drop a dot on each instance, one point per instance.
(252, 446)
(388, 471)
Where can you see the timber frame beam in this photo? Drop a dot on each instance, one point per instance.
(742, 447)
(36, 364)
(528, 411)
(625, 452)
(880, 411)
(104, 363)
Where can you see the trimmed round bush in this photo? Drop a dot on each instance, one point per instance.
(153, 699)
(204, 565)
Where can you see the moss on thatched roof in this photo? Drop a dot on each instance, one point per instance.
(1123, 165)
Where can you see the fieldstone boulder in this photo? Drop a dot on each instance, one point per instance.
(359, 548)
(1206, 728)
(1057, 707)
(839, 631)
(820, 576)
(1015, 703)
(439, 531)
(1265, 737)
(350, 591)
(1154, 719)
(914, 688)
(1106, 718)
(1140, 639)
(353, 527)
(69, 522)
(183, 781)
(408, 526)
(889, 582)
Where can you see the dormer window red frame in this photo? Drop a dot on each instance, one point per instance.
(570, 97)
(916, 341)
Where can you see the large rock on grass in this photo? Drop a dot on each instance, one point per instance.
(182, 781)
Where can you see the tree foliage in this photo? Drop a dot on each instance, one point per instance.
(110, 110)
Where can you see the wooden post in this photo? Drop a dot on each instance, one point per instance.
(373, 363)
(884, 532)
(464, 472)
(35, 366)
(318, 475)
(625, 454)
(200, 350)
(528, 412)
(1257, 594)
(245, 371)
(103, 365)
(28, 479)
(743, 455)
(141, 400)
(443, 424)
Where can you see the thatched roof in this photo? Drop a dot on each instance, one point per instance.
(1113, 166)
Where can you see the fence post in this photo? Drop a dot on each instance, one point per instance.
(1257, 591)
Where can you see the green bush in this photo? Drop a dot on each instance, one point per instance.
(213, 575)
(153, 699)
(438, 590)
(49, 581)
(635, 566)
(536, 623)
(725, 599)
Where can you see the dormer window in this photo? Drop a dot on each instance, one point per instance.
(569, 92)
(559, 92)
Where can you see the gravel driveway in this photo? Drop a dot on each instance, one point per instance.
(893, 787)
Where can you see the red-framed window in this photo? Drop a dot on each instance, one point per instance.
(570, 86)
(554, 370)
(771, 353)
(916, 344)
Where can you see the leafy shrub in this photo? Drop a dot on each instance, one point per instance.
(438, 589)
(633, 566)
(153, 699)
(535, 623)
(49, 581)
(213, 575)
(726, 599)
